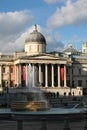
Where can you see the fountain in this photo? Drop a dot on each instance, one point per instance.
(33, 98)
(32, 106)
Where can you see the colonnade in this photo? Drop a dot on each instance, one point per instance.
(40, 74)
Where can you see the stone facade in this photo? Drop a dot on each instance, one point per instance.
(62, 72)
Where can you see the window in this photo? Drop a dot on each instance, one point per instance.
(83, 50)
(38, 48)
(79, 82)
(73, 84)
(86, 83)
(11, 70)
(68, 83)
(72, 71)
(67, 70)
(79, 71)
(3, 70)
(3, 83)
(11, 83)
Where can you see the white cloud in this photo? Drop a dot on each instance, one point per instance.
(16, 42)
(73, 13)
(51, 1)
(13, 33)
(53, 42)
(12, 24)
(56, 1)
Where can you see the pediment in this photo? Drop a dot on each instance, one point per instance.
(41, 58)
(44, 56)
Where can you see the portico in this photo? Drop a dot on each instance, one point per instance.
(43, 75)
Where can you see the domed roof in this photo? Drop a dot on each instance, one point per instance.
(36, 36)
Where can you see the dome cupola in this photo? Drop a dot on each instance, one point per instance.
(36, 36)
(35, 43)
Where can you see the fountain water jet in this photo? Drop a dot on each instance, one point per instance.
(35, 100)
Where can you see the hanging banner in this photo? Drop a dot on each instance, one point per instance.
(23, 72)
(62, 73)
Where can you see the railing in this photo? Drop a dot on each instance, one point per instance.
(42, 125)
(40, 122)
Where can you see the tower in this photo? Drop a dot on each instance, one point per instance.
(84, 47)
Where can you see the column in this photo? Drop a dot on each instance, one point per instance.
(27, 74)
(46, 76)
(33, 83)
(15, 75)
(0, 75)
(58, 75)
(19, 74)
(8, 75)
(52, 75)
(40, 74)
(70, 76)
(64, 75)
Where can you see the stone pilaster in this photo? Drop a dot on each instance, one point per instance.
(27, 71)
(52, 75)
(33, 81)
(40, 74)
(46, 76)
(19, 74)
(0, 75)
(64, 75)
(58, 75)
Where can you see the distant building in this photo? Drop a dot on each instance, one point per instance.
(64, 73)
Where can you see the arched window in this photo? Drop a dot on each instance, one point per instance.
(64, 93)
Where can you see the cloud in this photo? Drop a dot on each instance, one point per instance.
(73, 13)
(19, 43)
(52, 39)
(51, 1)
(14, 29)
(53, 42)
(57, 1)
(12, 24)
(16, 42)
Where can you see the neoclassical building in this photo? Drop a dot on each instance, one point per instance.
(62, 72)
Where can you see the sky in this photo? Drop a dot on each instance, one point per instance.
(62, 22)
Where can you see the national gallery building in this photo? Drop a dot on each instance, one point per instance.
(62, 72)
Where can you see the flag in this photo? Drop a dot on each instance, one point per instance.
(23, 72)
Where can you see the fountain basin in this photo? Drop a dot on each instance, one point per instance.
(52, 114)
(29, 106)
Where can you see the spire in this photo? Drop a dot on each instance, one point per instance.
(35, 27)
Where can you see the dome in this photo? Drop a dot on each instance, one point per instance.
(36, 36)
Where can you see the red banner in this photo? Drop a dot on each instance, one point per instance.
(62, 74)
(23, 70)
